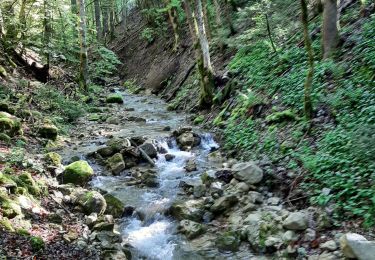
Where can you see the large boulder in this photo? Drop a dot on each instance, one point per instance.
(9, 124)
(48, 131)
(296, 221)
(357, 246)
(149, 149)
(247, 172)
(190, 228)
(78, 173)
(116, 163)
(90, 201)
(224, 203)
(114, 206)
(190, 209)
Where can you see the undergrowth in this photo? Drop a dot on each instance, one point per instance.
(338, 151)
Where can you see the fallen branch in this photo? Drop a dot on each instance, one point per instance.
(144, 154)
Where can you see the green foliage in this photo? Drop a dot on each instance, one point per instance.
(37, 243)
(148, 34)
(104, 63)
(342, 154)
(55, 103)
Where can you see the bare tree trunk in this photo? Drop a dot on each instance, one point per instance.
(189, 19)
(47, 34)
(105, 21)
(112, 23)
(206, 20)
(83, 77)
(309, 79)
(74, 10)
(124, 14)
(1, 25)
(269, 33)
(330, 31)
(98, 23)
(22, 18)
(173, 21)
(203, 58)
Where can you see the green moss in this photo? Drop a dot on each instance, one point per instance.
(3, 72)
(199, 120)
(278, 117)
(26, 181)
(78, 173)
(94, 117)
(48, 131)
(6, 181)
(9, 208)
(37, 243)
(6, 224)
(53, 158)
(22, 232)
(114, 206)
(115, 98)
(5, 138)
(9, 124)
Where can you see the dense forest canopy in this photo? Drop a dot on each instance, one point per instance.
(286, 86)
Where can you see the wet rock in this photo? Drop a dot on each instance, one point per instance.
(150, 179)
(90, 201)
(190, 209)
(136, 119)
(104, 226)
(114, 206)
(190, 228)
(116, 163)
(182, 130)
(105, 151)
(224, 175)
(169, 157)
(149, 149)
(199, 191)
(189, 184)
(113, 120)
(9, 124)
(255, 197)
(114, 255)
(91, 219)
(208, 177)
(48, 131)
(224, 203)
(356, 246)
(248, 172)
(115, 99)
(274, 201)
(109, 237)
(289, 236)
(190, 165)
(310, 234)
(296, 221)
(229, 241)
(188, 140)
(241, 187)
(78, 173)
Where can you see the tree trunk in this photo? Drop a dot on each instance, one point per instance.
(47, 33)
(206, 20)
(309, 79)
(112, 23)
(330, 31)
(11, 30)
(173, 21)
(203, 58)
(105, 21)
(190, 20)
(269, 33)
(1, 24)
(98, 23)
(74, 10)
(83, 72)
(124, 14)
(219, 22)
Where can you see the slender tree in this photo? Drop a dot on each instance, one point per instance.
(203, 58)
(330, 31)
(309, 79)
(47, 33)
(190, 20)
(83, 72)
(98, 23)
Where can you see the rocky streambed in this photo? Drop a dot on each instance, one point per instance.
(161, 189)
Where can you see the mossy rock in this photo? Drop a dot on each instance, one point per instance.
(9, 124)
(115, 99)
(7, 182)
(91, 202)
(114, 206)
(283, 116)
(229, 241)
(5, 138)
(53, 158)
(9, 208)
(6, 224)
(116, 163)
(78, 173)
(94, 117)
(199, 120)
(25, 180)
(37, 244)
(95, 110)
(48, 131)
(23, 232)
(5, 107)
(3, 72)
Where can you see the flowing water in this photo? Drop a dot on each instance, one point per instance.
(153, 237)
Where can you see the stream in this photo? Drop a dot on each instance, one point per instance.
(155, 236)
